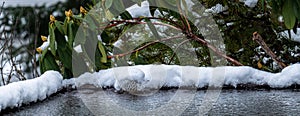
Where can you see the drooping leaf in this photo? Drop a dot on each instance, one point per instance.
(67, 73)
(295, 29)
(80, 37)
(126, 15)
(169, 4)
(152, 10)
(48, 63)
(64, 51)
(90, 22)
(138, 2)
(52, 40)
(184, 4)
(119, 6)
(65, 55)
(100, 65)
(103, 52)
(60, 27)
(297, 9)
(288, 14)
(70, 34)
(108, 3)
(109, 15)
(136, 53)
(152, 28)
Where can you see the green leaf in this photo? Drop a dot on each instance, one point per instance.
(52, 40)
(288, 14)
(60, 27)
(107, 37)
(297, 9)
(48, 63)
(275, 6)
(43, 54)
(100, 65)
(67, 73)
(81, 37)
(126, 15)
(108, 15)
(108, 3)
(170, 4)
(90, 22)
(103, 52)
(70, 34)
(153, 29)
(295, 28)
(185, 6)
(119, 6)
(263, 4)
(136, 54)
(152, 9)
(65, 56)
(138, 2)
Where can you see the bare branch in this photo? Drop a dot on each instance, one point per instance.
(145, 46)
(218, 52)
(262, 43)
(178, 27)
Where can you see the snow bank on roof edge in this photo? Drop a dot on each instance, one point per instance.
(157, 76)
(17, 93)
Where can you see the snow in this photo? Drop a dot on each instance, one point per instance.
(251, 3)
(157, 76)
(78, 49)
(17, 93)
(14, 3)
(288, 76)
(216, 9)
(146, 77)
(294, 36)
(143, 10)
(108, 78)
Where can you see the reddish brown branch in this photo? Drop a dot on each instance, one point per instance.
(178, 27)
(144, 46)
(114, 23)
(261, 42)
(218, 52)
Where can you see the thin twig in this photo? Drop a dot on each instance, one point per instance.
(188, 34)
(174, 52)
(137, 22)
(2, 7)
(37, 24)
(144, 46)
(214, 49)
(262, 43)
(183, 17)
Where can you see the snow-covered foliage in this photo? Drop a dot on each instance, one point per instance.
(18, 93)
